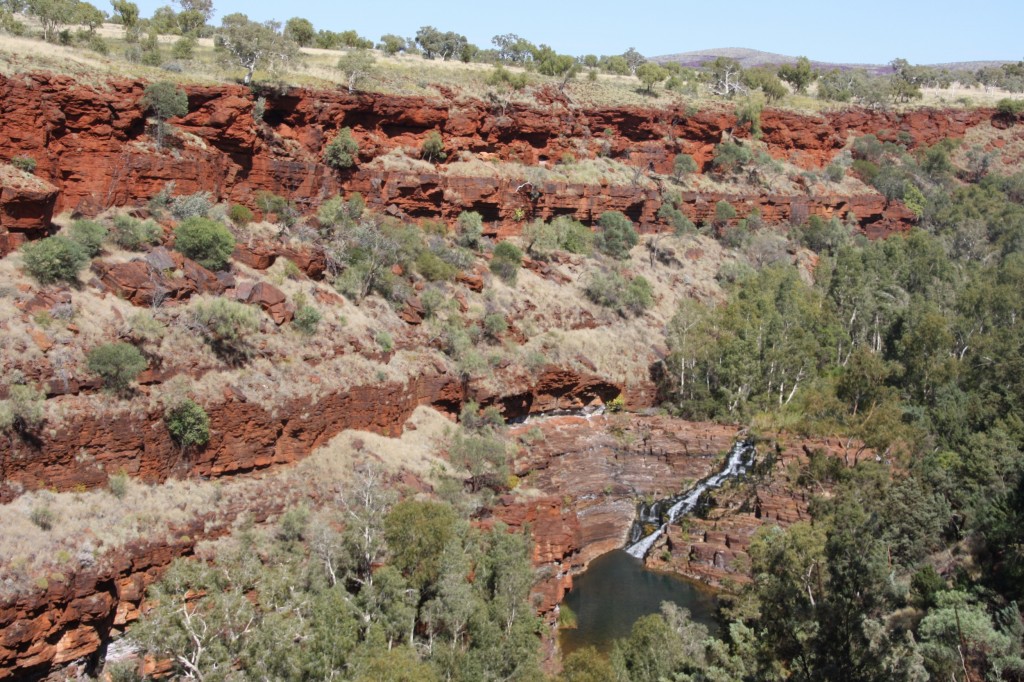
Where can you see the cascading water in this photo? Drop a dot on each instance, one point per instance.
(740, 458)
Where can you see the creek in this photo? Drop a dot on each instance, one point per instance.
(617, 589)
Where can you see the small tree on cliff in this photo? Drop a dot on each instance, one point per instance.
(165, 99)
(188, 424)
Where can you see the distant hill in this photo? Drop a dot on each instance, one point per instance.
(748, 58)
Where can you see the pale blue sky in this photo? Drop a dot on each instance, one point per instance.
(866, 31)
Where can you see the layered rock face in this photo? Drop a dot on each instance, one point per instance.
(91, 144)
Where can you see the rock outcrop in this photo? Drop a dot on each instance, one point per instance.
(91, 143)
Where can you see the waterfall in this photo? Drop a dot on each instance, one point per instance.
(740, 457)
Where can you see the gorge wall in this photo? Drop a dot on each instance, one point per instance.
(93, 152)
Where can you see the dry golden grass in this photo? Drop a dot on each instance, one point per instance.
(88, 526)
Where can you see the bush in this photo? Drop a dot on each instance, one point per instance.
(507, 260)
(724, 212)
(54, 259)
(240, 215)
(495, 325)
(432, 148)
(610, 289)
(226, 326)
(433, 268)
(307, 319)
(730, 157)
(1010, 107)
(23, 411)
(134, 234)
(384, 340)
(164, 98)
(205, 241)
(342, 151)
(573, 236)
(188, 424)
(616, 236)
(43, 516)
(470, 226)
(683, 165)
(118, 364)
(184, 47)
(117, 484)
(196, 205)
(835, 172)
(25, 163)
(88, 234)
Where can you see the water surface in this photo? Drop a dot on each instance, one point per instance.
(616, 590)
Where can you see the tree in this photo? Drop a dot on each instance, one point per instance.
(52, 15)
(194, 15)
(683, 165)
(650, 73)
(128, 13)
(799, 74)
(54, 259)
(615, 236)
(391, 44)
(513, 49)
(227, 326)
(188, 423)
(205, 241)
(432, 148)
(633, 59)
(434, 43)
(254, 45)
(166, 100)
(342, 151)
(356, 64)
(89, 16)
(725, 77)
(118, 364)
(300, 31)
(506, 261)
(417, 533)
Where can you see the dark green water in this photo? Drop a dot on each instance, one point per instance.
(615, 591)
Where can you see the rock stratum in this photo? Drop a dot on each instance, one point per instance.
(93, 152)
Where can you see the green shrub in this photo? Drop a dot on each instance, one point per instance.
(307, 319)
(227, 326)
(342, 151)
(724, 211)
(88, 234)
(117, 484)
(432, 148)
(205, 241)
(433, 268)
(495, 325)
(615, 236)
(470, 226)
(54, 259)
(118, 364)
(730, 157)
(195, 205)
(43, 516)
(683, 165)
(610, 289)
(835, 172)
(1010, 107)
(134, 234)
(573, 236)
(164, 98)
(865, 170)
(384, 340)
(23, 411)
(240, 215)
(188, 424)
(25, 163)
(507, 260)
(184, 47)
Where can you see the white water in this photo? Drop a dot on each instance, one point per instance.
(739, 458)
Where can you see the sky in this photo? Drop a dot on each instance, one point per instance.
(853, 31)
